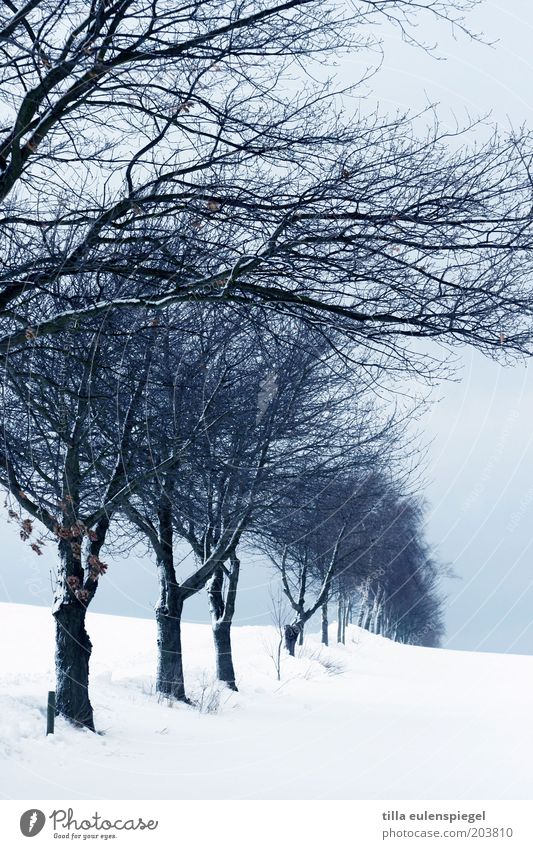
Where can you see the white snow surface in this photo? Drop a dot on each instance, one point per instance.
(384, 721)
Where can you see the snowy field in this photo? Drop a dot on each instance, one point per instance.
(371, 719)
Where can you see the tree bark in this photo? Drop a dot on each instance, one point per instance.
(325, 623)
(215, 594)
(291, 633)
(222, 612)
(170, 680)
(340, 619)
(347, 619)
(73, 651)
(224, 659)
(361, 612)
(73, 646)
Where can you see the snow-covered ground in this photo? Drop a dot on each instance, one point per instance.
(371, 719)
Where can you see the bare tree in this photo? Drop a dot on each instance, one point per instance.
(183, 402)
(281, 415)
(52, 455)
(322, 539)
(155, 145)
(278, 615)
(400, 598)
(261, 400)
(246, 408)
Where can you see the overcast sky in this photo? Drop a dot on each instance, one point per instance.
(481, 459)
(480, 469)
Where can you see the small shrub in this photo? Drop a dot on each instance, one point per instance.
(207, 694)
(319, 655)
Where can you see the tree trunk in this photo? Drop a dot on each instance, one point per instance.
(221, 617)
(347, 619)
(170, 681)
(301, 635)
(325, 623)
(75, 590)
(224, 659)
(340, 619)
(73, 646)
(291, 633)
(73, 651)
(367, 616)
(374, 616)
(215, 594)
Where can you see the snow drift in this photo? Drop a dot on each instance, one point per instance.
(372, 719)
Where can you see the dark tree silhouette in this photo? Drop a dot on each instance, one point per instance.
(319, 546)
(170, 149)
(259, 405)
(53, 456)
(401, 597)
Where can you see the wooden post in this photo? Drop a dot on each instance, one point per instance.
(51, 712)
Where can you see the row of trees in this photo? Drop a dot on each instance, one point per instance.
(359, 542)
(199, 428)
(208, 274)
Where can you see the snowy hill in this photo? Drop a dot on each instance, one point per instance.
(371, 719)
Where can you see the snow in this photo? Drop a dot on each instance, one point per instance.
(383, 721)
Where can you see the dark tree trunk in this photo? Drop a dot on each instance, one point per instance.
(222, 612)
(340, 619)
(347, 619)
(291, 633)
(215, 594)
(301, 635)
(224, 658)
(170, 681)
(325, 623)
(73, 650)
(73, 646)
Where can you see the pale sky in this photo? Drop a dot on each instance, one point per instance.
(480, 467)
(481, 458)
